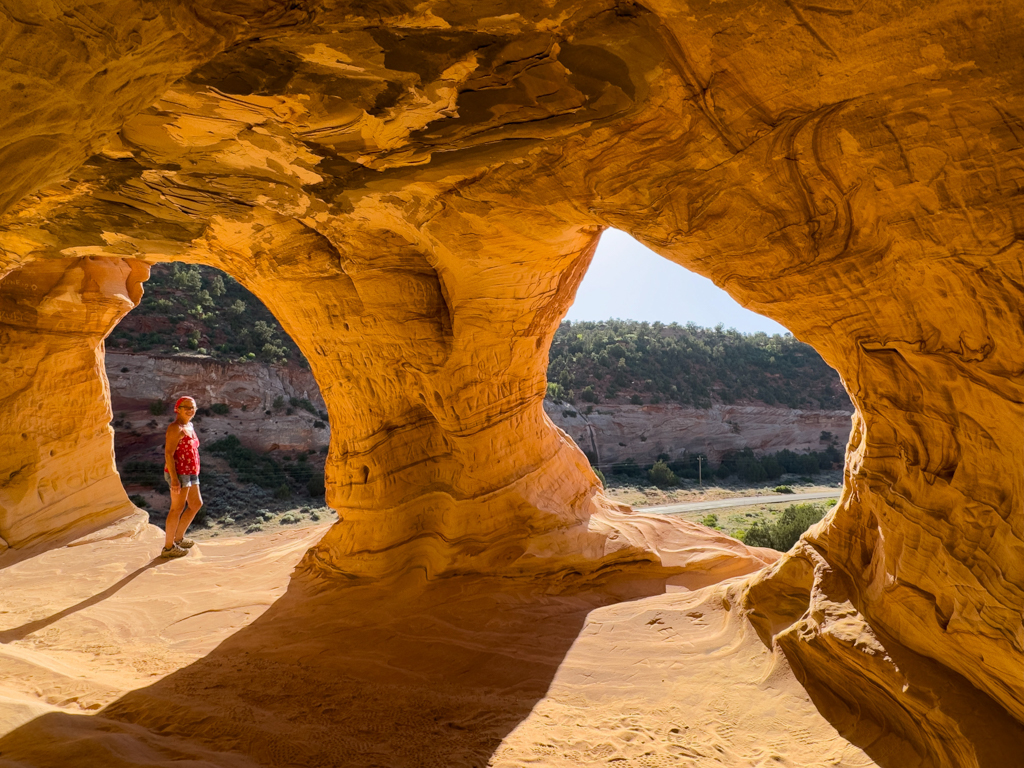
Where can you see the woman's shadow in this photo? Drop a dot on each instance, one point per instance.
(20, 633)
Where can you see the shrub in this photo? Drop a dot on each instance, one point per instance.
(145, 473)
(772, 467)
(783, 489)
(319, 425)
(158, 408)
(221, 409)
(138, 501)
(250, 466)
(187, 278)
(283, 492)
(273, 353)
(290, 519)
(316, 486)
(302, 403)
(751, 470)
(254, 528)
(711, 521)
(278, 403)
(600, 476)
(588, 395)
(661, 476)
(786, 531)
(636, 400)
(758, 535)
(794, 520)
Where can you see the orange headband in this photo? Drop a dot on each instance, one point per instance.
(182, 400)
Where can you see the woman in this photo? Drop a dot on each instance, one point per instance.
(181, 470)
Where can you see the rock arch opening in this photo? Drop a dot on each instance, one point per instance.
(262, 422)
(644, 372)
(85, 388)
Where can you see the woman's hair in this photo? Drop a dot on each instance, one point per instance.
(183, 399)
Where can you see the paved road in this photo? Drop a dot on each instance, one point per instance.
(745, 501)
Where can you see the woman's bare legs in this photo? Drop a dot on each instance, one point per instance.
(178, 497)
(195, 503)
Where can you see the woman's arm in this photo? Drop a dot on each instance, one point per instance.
(174, 433)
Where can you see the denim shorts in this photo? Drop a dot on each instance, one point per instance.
(185, 480)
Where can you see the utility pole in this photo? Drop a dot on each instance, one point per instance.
(700, 473)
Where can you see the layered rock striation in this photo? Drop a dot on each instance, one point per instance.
(416, 193)
(611, 434)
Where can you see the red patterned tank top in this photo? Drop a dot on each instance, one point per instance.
(186, 456)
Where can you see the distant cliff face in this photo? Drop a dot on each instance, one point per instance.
(609, 433)
(615, 433)
(141, 379)
(138, 380)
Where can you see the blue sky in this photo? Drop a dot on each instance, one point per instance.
(628, 281)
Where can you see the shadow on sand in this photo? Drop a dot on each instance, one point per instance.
(398, 674)
(19, 633)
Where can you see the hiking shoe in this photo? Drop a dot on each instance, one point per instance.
(186, 543)
(173, 551)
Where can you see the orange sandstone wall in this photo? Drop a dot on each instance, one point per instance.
(416, 193)
(56, 446)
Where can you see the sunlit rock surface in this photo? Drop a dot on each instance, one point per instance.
(416, 192)
(57, 471)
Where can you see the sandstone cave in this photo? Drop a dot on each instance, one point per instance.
(415, 192)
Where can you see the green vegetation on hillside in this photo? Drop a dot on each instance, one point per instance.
(202, 310)
(197, 309)
(627, 361)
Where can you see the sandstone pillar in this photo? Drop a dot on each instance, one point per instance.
(57, 473)
(431, 355)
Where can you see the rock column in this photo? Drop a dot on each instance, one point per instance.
(57, 473)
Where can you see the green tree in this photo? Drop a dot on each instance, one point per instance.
(758, 535)
(316, 486)
(794, 520)
(661, 476)
(187, 278)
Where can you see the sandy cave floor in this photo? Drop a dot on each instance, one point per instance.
(111, 657)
